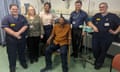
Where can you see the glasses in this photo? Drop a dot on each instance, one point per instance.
(102, 7)
(14, 9)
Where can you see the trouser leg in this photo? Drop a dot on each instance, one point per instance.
(63, 51)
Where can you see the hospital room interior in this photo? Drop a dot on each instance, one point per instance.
(60, 36)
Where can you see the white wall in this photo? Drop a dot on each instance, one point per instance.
(114, 5)
(36, 3)
(59, 6)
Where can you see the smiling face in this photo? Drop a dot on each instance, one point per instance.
(31, 10)
(78, 6)
(103, 8)
(14, 10)
(61, 20)
(47, 7)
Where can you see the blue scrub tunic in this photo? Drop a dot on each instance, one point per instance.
(14, 23)
(105, 23)
(78, 18)
(102, 40)
(13, 44)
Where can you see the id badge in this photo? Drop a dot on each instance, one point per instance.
(73, 22)
(31, 26)
(106, 24)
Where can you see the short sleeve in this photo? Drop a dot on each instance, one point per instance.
(40, 14)
(25, 22)
(93, 19)
(116, 20)
(5, 22)
(70, 19)
(86, 18)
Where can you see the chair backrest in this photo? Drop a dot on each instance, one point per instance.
(116, 62)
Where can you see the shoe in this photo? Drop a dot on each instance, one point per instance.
(36, 60)
(98, 66)
(24, 65)
(72, 54)
(46, 69)
(12, 69)
(31, 61)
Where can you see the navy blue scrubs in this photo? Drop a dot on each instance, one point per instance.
(15, 46)
(102, 40)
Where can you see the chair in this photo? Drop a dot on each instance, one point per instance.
(58, 53)
(116, 63)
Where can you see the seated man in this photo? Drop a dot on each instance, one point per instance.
(61, 36)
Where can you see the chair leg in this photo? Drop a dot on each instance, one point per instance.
(111, 66)
(69, 55)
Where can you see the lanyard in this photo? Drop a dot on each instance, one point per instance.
(76, 15)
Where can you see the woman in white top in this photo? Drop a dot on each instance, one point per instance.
(47, 20)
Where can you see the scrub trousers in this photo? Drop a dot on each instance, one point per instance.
(100, 45)
(16, 47)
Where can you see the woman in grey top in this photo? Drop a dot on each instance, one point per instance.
(35, 32)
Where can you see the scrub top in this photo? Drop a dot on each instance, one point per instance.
(105, 23)
(78, 18)
(14, 23)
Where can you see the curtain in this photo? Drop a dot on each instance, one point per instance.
(4, 10)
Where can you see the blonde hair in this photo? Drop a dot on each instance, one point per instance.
(28, 14)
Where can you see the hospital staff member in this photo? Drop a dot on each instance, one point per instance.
(77, 18)
(15, 26)
(106, 25)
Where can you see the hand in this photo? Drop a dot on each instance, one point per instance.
(41, 36)
(48, 41)
(112, 32)
(17, 35)
(83, 33)
(95, 29)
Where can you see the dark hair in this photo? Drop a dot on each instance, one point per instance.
(10, 6)
(78, 1)
(61, 16)
(47, 3)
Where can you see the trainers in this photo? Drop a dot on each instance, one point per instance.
(46, 69)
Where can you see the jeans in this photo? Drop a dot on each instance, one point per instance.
(63, 52)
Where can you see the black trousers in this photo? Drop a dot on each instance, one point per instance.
(48, 30)
(76, 41)
(63, 52)
(100, 45)
(33, 47)
(16, 47)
